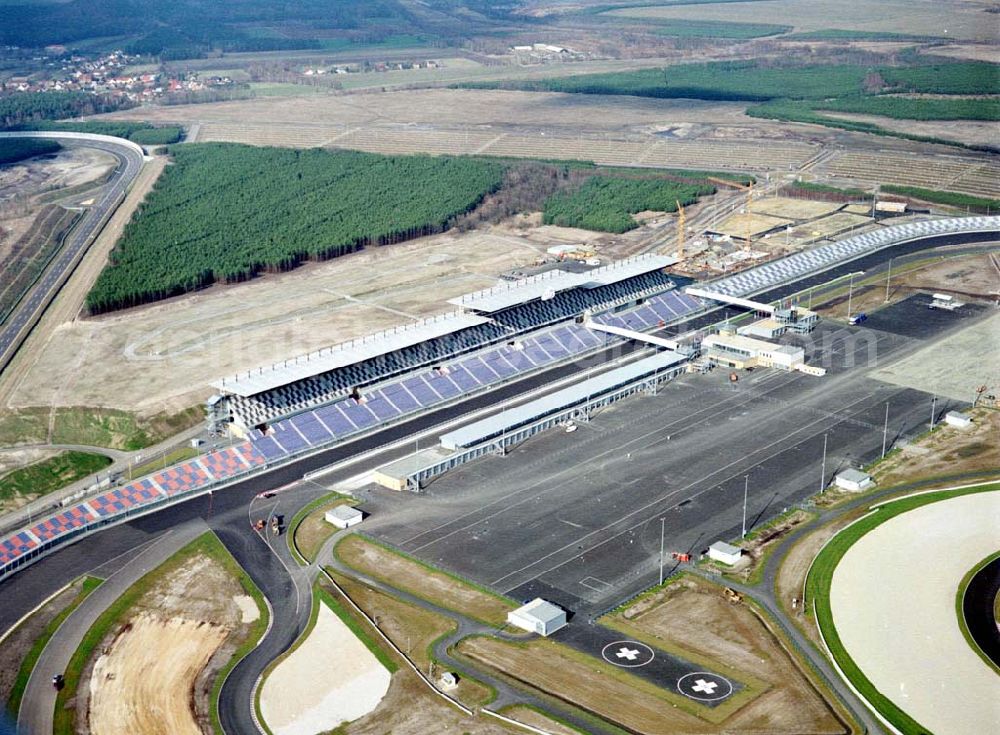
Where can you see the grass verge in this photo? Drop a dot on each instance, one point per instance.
(208, 545)
(420, 579)
(155, 465)
(315, 530)
(960, 613)
(88, 585)
(48, 475)
(820, 577)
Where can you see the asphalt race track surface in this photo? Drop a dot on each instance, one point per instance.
(16, 327)
(977, 608)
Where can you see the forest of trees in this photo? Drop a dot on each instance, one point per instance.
(607, 203)
(18, 149)
(25, 108)
(138, 132)
(225, 212)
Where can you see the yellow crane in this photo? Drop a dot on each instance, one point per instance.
(746, 245)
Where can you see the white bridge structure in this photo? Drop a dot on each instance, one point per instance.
(724, 298)
(651, 339)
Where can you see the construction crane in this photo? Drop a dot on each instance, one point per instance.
(680, 230)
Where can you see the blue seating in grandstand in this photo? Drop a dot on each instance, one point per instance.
(357, 414)
(335, 421)
(442, 384)
(310, 427)
(399, 397)
(382, 409)
(421, 391)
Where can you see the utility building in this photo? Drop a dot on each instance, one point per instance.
(854, 481)
(538, 616)
(725, 553)
(344, 516)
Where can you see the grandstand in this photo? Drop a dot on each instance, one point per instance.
(495, 335)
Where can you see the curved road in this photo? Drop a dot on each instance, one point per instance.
(284, 584)
(30, 309)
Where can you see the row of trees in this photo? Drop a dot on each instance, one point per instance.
(138, 132)
(607, 204)
(30, 107)
(226, 212)
(18, 149)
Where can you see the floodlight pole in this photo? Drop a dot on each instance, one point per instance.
(746, 487)
(822, 479)
(887, 277)
(885, 429)
(850, 296)
(662, 521)
(933, 405)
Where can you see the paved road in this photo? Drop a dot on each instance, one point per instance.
(226, 511)
(30, 309)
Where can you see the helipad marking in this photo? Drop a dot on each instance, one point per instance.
(627, 654)
(703, 686)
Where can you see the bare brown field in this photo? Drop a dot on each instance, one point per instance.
(142, 683)
(970, 132)
(971, 51)
(442, 589)
(154, 671)
(963, 20)
(163, 357)
(737, 224)
(693, 615)
(793, 209)
(952, 173)
(446, 108)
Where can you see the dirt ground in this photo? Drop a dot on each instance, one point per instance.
(536, 719)
(142, 683)
(163, 357)
(23, 185)
(179, 634)
(954, 366)
(14, 458)
(693, 615)
(970, 132)
(67, 304)
(793, 209)
(736, 225)
(973, 51)
(446, 591)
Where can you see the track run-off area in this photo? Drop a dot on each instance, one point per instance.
(892, 623)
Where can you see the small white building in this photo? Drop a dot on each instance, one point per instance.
(725, 553)
(958, 419)
(344, 516)
(854, 481)
(538, 616)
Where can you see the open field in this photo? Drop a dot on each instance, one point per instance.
(736, 226)
(963, 20)
(343, 687)
(932, 369)
(27, 483)
(414, 577)
(942, 683)
(141, 684)
(791, 208)
(693, 617)
(970, 132)
(164, 356)
(950, 173)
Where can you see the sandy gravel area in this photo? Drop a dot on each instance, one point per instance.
(936, 370)
(893, 602)
(143, 685)
(330, 679)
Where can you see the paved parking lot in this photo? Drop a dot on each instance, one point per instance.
(577, 518)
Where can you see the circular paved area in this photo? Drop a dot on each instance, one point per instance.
(627, 654)
(704, 687)
(893, 603)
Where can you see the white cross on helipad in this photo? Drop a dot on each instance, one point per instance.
(704, 687)
(630, 653)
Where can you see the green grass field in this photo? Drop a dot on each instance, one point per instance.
(718, 29)
(42, 478)
(950, 198)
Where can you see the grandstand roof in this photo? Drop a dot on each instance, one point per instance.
(347, 353)
(512, 418)
(551, 282)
